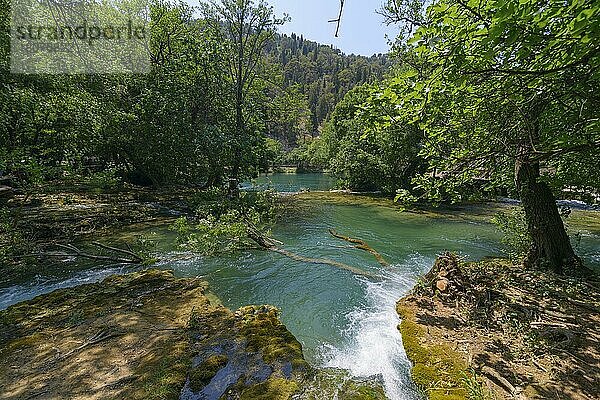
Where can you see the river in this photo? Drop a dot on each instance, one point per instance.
(341, 319)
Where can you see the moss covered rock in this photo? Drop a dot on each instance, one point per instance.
(124, 337)
(145, 335)
(437, 369)
(149, 335)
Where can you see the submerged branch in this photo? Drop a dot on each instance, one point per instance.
(322, 261)
(268, 243)
(362, 245)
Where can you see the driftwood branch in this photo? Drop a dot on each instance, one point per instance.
(273, 245)
(362, 245)
(72, 251)
(117, 250)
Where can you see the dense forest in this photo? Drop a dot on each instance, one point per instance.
(322, 73)
(105, 127)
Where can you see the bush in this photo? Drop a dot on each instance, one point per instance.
(223, 225)
(516, 237)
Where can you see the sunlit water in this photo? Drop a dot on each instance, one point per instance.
(291, 182)
(342, 320)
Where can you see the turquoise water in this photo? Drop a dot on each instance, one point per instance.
(291, 182)
(342, 320)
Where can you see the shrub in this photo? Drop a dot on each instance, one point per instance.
(516, 237)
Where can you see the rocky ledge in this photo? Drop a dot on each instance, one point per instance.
(149, 335)
(493, 330)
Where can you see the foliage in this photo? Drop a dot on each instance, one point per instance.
(475, 390)
(224, 225)
(516, 238)
(205, 108)
(498, 88)
(105, 180)
(322, 74)
(366, 158)
(245, 26)
(288, 113)
(211, 236)
(475, 76)
(144, 247)
(310, 155)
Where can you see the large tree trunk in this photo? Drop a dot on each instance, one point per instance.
(550, 243)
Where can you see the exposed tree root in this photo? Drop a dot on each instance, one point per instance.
(362, 245)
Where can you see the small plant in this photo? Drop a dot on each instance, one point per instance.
(474, 388)
(103, 181)
(516, 237)
(144, 246)
(76, 318)
(405, 199)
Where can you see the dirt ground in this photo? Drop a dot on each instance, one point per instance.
(494, 330)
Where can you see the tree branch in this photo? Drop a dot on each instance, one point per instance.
(338, 21)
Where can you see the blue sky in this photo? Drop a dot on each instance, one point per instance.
(361, 31)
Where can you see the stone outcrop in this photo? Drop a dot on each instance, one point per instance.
(149, 335)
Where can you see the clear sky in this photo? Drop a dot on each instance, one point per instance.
(361, 31)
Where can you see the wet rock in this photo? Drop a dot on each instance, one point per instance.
(264, 360)
(333, 383)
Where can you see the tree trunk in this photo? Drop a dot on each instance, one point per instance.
(550, 245)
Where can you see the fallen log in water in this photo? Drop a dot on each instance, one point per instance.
(271, 244)
(362, 245)
(322, 261)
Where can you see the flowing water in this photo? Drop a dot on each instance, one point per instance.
(342, 320)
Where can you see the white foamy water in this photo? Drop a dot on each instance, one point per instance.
(373, 344)
(39, 286)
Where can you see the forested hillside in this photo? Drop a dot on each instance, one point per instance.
(322, 73)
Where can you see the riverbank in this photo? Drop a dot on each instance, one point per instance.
(494, 330)
(342, 320)
(33, 225)
(148, 335)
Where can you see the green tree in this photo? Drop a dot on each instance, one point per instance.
(247, 26)
(367, 155)
(501, 85)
